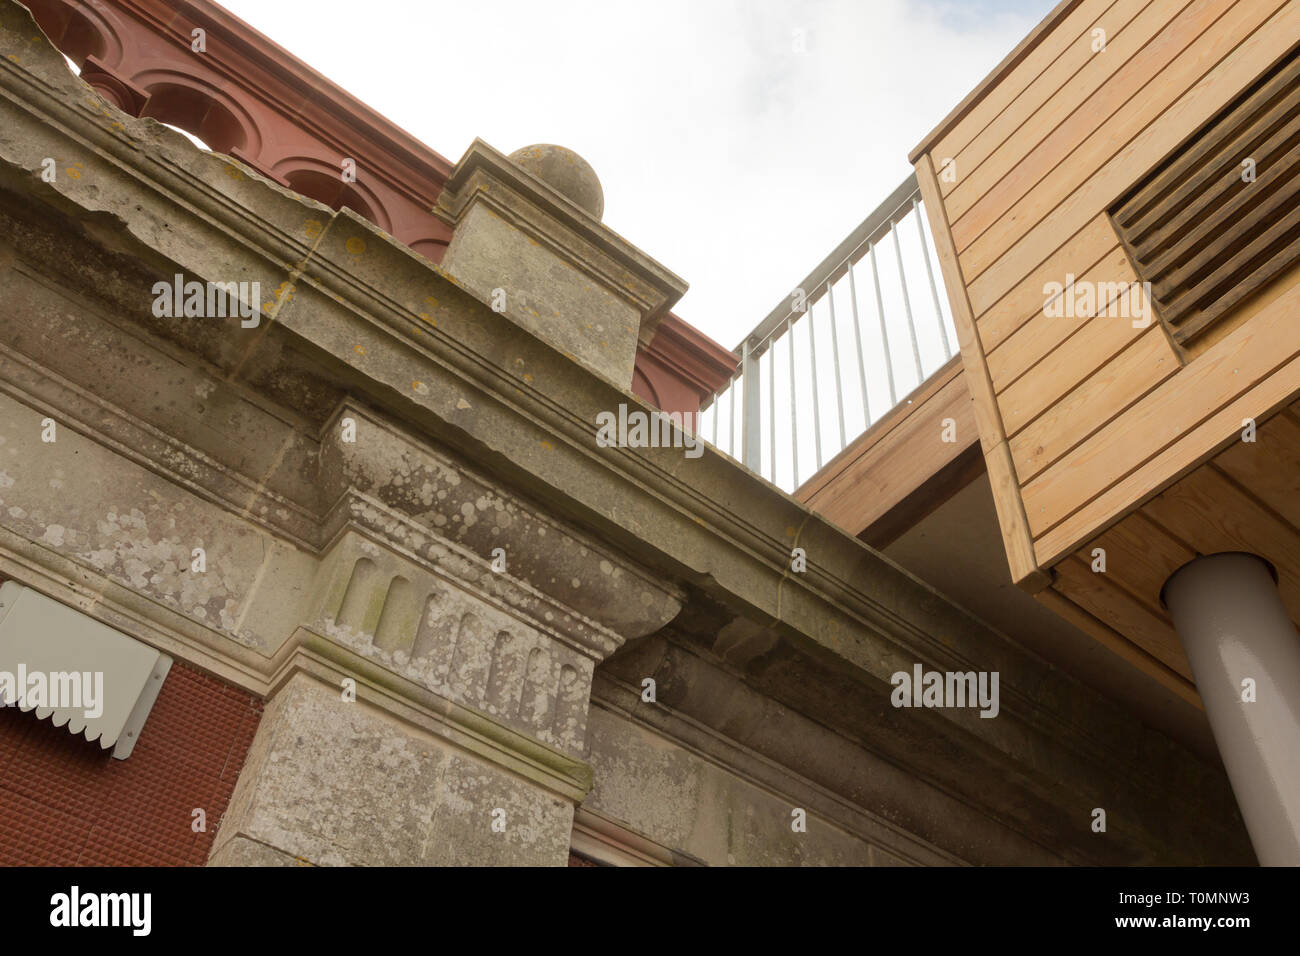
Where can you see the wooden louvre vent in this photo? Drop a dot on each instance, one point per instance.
(1221, 217)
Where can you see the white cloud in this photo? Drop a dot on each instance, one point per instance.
(731, 158)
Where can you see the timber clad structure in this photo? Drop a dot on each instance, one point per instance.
(1148, 141)
(1083, 418)
(466, 633)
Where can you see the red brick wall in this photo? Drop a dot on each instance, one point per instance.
(66, 802)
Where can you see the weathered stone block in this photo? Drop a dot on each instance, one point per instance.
(527, 250)
(342, 783)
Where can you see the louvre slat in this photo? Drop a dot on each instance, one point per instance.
(1238, 269)
(1253, 118)
(1195, 325)
(1257, 279)
(1215, 182)
(1235, 230)
(1190, 232)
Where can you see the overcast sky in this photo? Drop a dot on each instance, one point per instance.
(737, 140)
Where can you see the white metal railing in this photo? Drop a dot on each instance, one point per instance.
(876, 290)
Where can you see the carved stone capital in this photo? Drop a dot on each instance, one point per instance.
(574, 575)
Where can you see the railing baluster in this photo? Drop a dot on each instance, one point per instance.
(817, 417)
(929, 274)
(731, 422)
(835, 361)
(794, 412)
(771, 406)
(857, 337)
(907, 305)
(751, 421)
(884, 334)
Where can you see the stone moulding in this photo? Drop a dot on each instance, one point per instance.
(720, 748)
(393, 532)
(559, 563)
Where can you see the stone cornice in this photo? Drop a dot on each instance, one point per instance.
(404, 491)
(786, 779)
(727, 694)
(516, 597)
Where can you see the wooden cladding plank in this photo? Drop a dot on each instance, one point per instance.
(997, 320)
(1270, 465)
(997, 457)
(925, 498)
(1140, 557)
(1011, 77)
(1118, 610)
(1104, 82)
(1042, 336)
(1208, 508)
(1062, 84)
(1171, 463)
(880, 469)
(1121, 646)
(1117, 385)
(1025, 572)
(988, 235)
(1033, 231)
(1253, 353)
(1147, 81)
(1096, 358)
